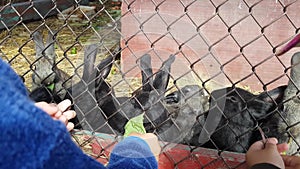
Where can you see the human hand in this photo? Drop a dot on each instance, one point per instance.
(268, 153)
(59, 112)
(291, 162)
(152, 140)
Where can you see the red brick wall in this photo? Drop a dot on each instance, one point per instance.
(230, 36)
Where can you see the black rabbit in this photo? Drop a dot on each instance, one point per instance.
(148, 100)
(43, 94)
(85, 93)
(118, 110)
(97, 106)
(235, 115)
(89, 89)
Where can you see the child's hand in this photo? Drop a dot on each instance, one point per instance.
(59, 112)
(152, 140)
(268, 153)
(291, 162)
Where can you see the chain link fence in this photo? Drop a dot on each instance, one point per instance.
(204, 74)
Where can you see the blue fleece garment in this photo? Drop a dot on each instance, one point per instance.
(31, 139)
(122, 156)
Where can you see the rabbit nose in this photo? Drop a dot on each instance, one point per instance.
(47, 82)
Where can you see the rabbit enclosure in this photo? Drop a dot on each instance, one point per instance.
(184, 64)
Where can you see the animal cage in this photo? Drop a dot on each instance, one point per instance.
(184, 64)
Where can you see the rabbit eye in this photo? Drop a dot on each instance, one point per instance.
(233, 99)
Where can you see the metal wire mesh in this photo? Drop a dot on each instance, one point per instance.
(220, 84)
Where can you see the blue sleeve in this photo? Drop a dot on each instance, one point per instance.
(29, 138)
(132, 153)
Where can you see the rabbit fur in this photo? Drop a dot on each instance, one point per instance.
(237, 112)
(292, 106)
(178, 117)
(185, 105)
(45, 69)
(43, 94)
(147, 101)
(85, 93)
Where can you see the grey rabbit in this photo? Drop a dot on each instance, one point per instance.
(292, 106)
(185, 105)
(85, 94)
(46, 71)
(173, 116)
(237, 114)
(291, 100)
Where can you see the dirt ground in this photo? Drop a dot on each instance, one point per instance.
(17, 47)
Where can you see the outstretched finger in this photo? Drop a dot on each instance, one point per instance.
(283, 147)
(70, 126)
(57, 114)
(272, 140)
(64, 105)
(291, 161)
(70, 114)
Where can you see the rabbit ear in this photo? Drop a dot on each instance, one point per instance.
(276, 95)
(50, 50)
(216, 103)
(162, 77)
(39, 44)
(90, 53)
(103, 69)
(147, 74)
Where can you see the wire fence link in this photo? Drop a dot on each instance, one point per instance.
(204, 74)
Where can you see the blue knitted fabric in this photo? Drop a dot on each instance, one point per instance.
(122, 156)
(31, 139)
